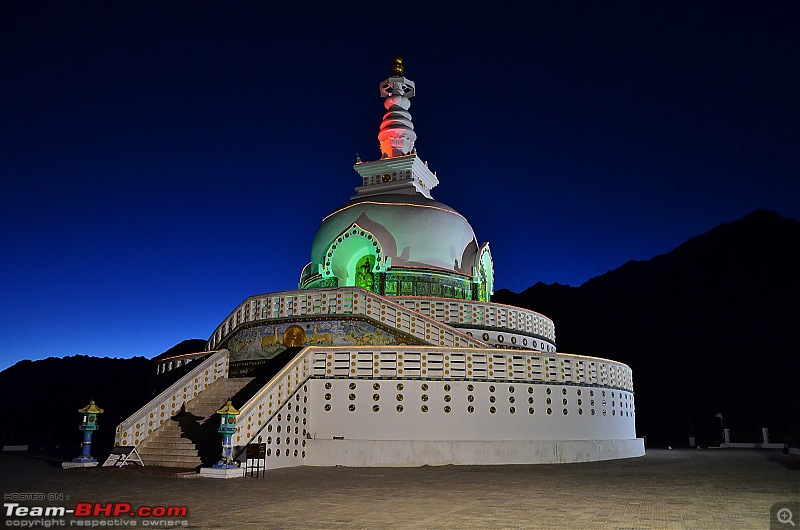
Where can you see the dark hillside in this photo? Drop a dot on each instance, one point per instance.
(712, 326)
(50, 392)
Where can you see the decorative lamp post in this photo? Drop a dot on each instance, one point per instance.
(227, 427)
(87, 427)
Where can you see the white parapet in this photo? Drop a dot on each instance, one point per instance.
(443, 322)
(433, 406)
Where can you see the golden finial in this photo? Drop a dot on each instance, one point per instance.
(228, 408)
(397, 67)
(91, 408)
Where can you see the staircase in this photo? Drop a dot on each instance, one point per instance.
(190, 439)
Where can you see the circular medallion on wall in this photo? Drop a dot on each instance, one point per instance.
(294, 336)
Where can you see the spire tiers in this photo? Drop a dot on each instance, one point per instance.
(399, 170)
(397, 136)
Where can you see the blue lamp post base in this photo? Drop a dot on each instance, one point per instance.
(85, 456)
(226, 462)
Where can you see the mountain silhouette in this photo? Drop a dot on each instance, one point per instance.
(51, 391)
(711, 327)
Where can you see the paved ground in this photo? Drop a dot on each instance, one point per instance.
(702, 489)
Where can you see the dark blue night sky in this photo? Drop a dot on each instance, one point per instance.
(162, 161)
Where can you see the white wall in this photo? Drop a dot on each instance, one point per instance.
(612, 421)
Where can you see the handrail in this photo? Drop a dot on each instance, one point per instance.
(485, 364)
(248, 411)
(470, 340)
(484, 315)
(168, 364)
(244, 409)
(139, 425)
(331, 303)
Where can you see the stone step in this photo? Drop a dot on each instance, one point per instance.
(215, 395)
(166, 455)
(177, 456)
(176, 436)
(181, 447)
(171, 462)
(173, 451)
(169, 434)
(170, 445)
(177, 450)
(167, 442)
(218, 395)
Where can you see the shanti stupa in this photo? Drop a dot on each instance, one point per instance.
(390, 352)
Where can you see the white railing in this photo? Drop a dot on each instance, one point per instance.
(466, 313)
(171, 363)
(470, 363)
(337, 303)
(259, 409)
(435, 363)
(147, 419)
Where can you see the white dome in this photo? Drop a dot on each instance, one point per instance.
(412, 230)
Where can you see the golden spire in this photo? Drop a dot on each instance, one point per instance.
(396, 135)
(397, 67)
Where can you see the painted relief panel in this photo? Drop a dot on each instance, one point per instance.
(265, 342)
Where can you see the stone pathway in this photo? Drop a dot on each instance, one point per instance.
(681, 489)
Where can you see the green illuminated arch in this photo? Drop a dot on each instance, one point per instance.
(355, 257)
(484, 277)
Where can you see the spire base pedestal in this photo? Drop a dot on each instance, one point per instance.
(403, 174)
